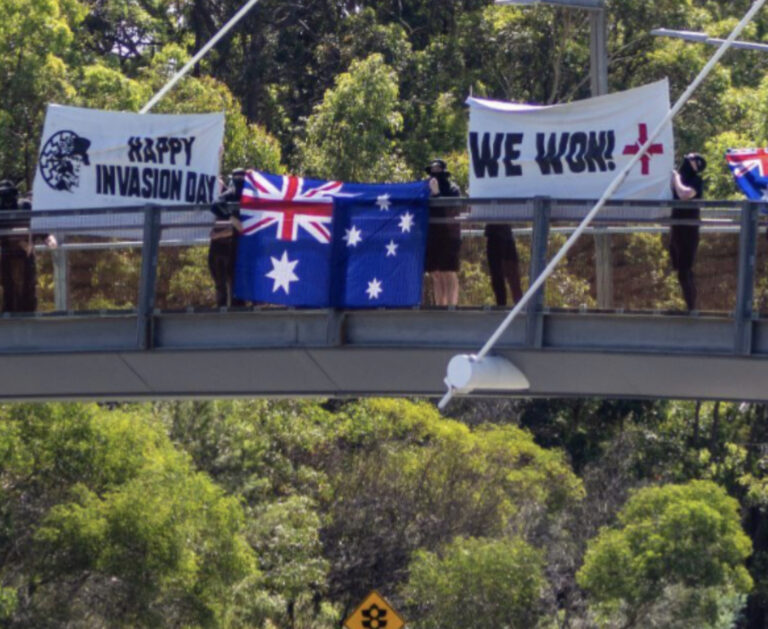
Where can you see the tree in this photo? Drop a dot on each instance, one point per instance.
(476, 583)
(267, 454)
(351, 134)
(678, 551)
(35, 37)
(404, 479)
(105, 522)
(285, 535)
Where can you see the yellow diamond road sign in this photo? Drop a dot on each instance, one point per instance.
(374, 613)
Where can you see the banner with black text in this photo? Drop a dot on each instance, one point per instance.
(106, 159)
(572, 151)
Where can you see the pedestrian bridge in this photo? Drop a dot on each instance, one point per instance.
(198, 352)
(360, 353)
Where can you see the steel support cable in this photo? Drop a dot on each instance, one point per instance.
(612, 188)
(200, 54)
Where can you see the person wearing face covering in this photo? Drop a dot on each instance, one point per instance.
(18, 270)
(223, 247)
(687, 185)
(443, 240)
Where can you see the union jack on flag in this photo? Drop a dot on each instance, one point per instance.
(312, 243)
(290, 203)
(750, 171)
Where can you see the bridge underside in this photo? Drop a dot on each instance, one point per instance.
(319, 353)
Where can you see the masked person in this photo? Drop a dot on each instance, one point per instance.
(443, 240)
(18, 272)
(503, 262)
(222, 251)
(687, 185)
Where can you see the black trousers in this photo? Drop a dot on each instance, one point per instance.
(683, 245)
(503, 263)
(18, 275)
(222, 254)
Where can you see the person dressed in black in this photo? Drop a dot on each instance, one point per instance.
(503, 263)
(687, 185)
(18, 272)
(443, 240)
(223, 248)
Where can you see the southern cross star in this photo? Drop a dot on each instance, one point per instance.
(391, 249)
(353, 236)
(406, 222)
(282, 273)
(383, 202)
(374, 289)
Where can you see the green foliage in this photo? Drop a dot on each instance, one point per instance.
(35, 37)
(245, 144)
(105, 515)
(256, 449)
(8, 602)
(190, 281)
(643, 275)
(102, 518)
(473, 583)
(271, 456)
(676, 536)
(432, 479)
(350, 135)
(285, 536)
(407, 479)
(283, 514)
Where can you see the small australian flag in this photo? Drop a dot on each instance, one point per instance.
(750, 171)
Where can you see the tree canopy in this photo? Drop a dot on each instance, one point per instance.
(254, 513)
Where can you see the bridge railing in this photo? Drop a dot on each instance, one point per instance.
(625, 253)
(142, 258)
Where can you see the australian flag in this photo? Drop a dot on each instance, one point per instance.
(313, 243)
(750, 171)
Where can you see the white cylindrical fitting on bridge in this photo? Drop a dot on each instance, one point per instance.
(467, 373)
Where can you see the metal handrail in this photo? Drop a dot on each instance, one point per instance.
(717, 217)
(715, 209)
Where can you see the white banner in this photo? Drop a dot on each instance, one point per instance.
(106, 159)
(572, 151)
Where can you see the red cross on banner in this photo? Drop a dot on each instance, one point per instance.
(653, 149)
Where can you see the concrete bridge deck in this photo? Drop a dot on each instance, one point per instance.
(275, 352)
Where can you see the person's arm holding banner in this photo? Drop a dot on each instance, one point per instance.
(683, 192)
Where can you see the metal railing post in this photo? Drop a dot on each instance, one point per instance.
(603, 271)
(149, 255)
(534, 324)
(60, 259)
(746, 287)
(335, 329)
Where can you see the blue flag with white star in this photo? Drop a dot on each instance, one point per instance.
(379, 244)
(313, 243)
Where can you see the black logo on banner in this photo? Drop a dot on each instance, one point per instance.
(579, 152)
(61, 158)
